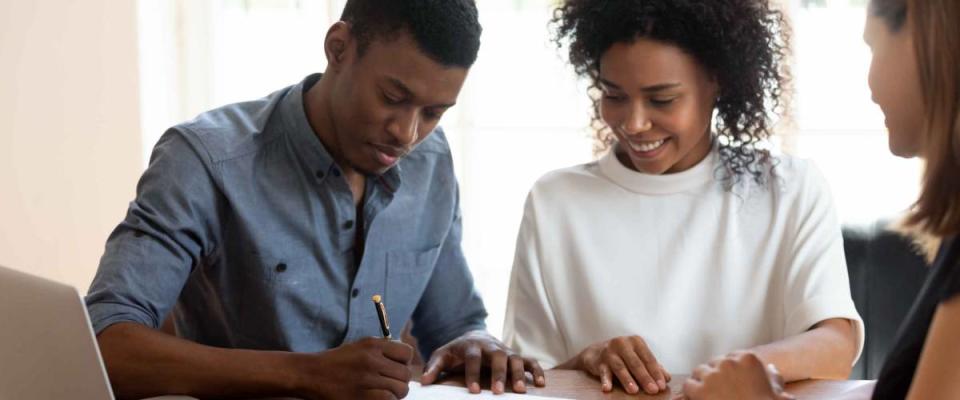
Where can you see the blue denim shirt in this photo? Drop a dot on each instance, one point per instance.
(244, 228)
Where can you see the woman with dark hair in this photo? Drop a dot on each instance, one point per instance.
(915, 79)
(688, 238)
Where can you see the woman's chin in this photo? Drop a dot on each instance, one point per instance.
(903, 150)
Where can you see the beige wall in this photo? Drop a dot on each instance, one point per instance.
(70, 149)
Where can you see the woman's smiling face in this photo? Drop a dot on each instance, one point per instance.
(659, 103)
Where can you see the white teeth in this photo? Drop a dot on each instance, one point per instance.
(647, 146)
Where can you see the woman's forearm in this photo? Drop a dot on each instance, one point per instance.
(826, 351)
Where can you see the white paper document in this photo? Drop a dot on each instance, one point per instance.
(445, 392)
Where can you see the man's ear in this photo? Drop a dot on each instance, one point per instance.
(337, 45)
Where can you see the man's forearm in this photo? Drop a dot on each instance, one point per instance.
(825, 351)
(143, 362)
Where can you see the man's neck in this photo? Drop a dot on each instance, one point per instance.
(317, 106)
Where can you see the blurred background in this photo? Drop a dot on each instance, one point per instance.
(88, 87)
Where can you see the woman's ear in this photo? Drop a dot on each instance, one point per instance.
(337, 44)
(712, 86)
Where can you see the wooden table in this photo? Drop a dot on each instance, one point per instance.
(580, 385)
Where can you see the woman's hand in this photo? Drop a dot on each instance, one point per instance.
(735, 376)
(629, 359)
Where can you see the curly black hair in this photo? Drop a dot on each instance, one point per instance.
(448, 31)
(743, 44)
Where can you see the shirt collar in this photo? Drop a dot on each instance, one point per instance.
(293, 119)
(642, 183)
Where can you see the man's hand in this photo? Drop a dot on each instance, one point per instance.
(629, 359)
(736, 376)
(476, 350)
(371, 368)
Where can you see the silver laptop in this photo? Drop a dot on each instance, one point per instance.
(47, 347)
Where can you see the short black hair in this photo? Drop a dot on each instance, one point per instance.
(448, 31)
(742, 43)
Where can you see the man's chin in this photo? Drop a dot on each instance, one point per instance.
(372, 168)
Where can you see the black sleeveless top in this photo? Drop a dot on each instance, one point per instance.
(943, 283)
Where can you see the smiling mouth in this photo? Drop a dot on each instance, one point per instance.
(646, 147)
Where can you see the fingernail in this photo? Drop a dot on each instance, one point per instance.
(652, 387)
(632, 387)
(540, 380)
(520, 386)
(498, 386)
(662, 383)
(475, 387)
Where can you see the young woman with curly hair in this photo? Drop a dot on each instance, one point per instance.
(687, 239)
(915, 79)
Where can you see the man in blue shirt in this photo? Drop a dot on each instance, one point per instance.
(262, 229)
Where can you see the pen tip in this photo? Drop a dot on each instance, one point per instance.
(376, 298)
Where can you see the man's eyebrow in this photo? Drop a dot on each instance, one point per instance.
(409, 93)
(401, 87)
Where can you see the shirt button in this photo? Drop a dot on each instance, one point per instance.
(320, 174)
(281, 267)
(336, 172)
(355, 292)
(348, 225)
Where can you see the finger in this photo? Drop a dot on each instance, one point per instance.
(700, 371)
(394, 370)
(692, 389)
(606, 378)
(619, 369)
(653, 366)
(472, 363)
(667, 375)
(517, 374)
(661, 371)
(533, 366)
(498, 371)
(397, 389)
(397, 351)
(440, 361)
(640, 373)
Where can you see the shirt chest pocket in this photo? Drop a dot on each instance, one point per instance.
(408, 273)
(282, 298)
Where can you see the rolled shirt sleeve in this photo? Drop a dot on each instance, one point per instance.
(450, 305)
(168, 229)
(530, 326)
(817, 286)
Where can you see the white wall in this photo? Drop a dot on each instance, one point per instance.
(70, 149)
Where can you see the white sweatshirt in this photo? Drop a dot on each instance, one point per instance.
(696, 270)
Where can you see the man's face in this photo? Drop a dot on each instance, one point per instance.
(388, 100)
